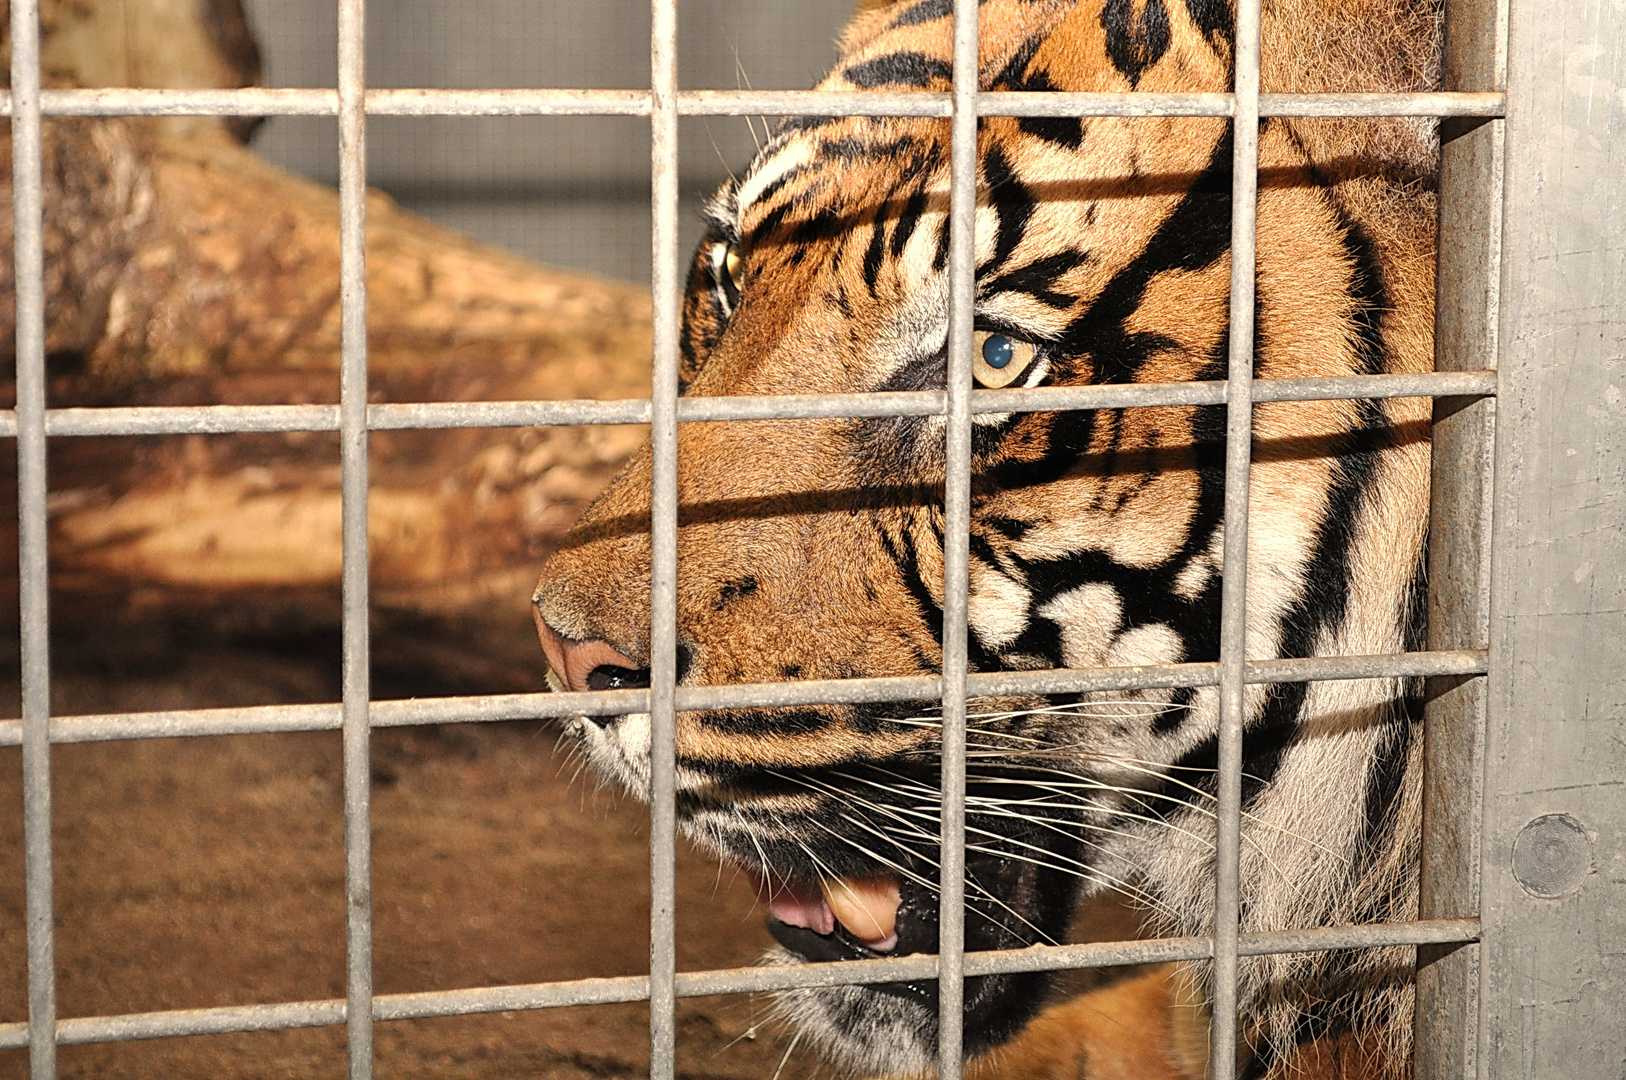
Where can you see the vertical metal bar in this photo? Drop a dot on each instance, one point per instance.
(358, 885)
(1234, 589)
(663, 541)
(1445, 1036)
(27, 194)
(956, 539)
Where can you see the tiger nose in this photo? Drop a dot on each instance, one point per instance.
(589, 665)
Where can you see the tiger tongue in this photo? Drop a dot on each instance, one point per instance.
(796, 903)
(867, 907)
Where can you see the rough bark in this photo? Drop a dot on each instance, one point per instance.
(183, 269)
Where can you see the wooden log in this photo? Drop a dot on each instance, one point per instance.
(183, 269)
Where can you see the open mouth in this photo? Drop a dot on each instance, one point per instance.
(866, 909)
(854, 919)
(1009, 904)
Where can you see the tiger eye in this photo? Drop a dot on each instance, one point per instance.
(735, 265)
(998, 359)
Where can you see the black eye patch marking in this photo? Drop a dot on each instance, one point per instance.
(1038, 278)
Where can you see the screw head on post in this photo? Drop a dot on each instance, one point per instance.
(1552, 855)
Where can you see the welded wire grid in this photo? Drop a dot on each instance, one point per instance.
(31, 423)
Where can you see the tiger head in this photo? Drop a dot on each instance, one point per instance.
(813, 548)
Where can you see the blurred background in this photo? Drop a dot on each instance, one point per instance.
(573, 192)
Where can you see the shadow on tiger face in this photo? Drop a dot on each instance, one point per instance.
(813, 549)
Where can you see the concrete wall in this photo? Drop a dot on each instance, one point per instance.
(569, 191)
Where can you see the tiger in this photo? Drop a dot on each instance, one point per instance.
(814, 548)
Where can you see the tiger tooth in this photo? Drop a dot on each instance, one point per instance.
(867, 907)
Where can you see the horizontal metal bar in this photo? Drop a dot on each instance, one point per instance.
(813, 406)
(507, 102)
(185, 420)
(1413, 665)
(1007, 103)
(1172, 676)
(497, 414)
(1328, 938)
(266, 719)
(162, 1025)
(241, 419)
(811, 103)
(1102, 396)
(999, 103)
(1439, 103)
(1164, 950)
(219, 1021)
(811, 692)
(788, 976)
(131, 101)
(1417, 384)
(272, 719)
(1148, 395)
(263, 101)
(489, 999)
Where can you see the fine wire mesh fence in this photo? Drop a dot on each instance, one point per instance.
(355, 715)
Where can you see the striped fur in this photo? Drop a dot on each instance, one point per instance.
(813, 549)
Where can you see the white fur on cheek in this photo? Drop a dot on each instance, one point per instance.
(997, 606)
(1158, 643)
(1089, 616)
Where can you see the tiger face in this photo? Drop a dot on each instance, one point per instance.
(813, 549)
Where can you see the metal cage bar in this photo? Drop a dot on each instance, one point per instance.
(262, 101)
(32, 542)
(351, 102)
(243, 419)
(663, 544)
(962, 270)
(1233, 708)
(330, 1013)
(266, 719)
(355, 682)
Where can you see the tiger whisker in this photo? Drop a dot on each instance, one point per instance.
(1086, 873)
(1074, 780)
(1112, 882)
(788, 1051)
(922, 881)
(1155, 821)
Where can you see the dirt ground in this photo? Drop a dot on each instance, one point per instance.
(202, 872)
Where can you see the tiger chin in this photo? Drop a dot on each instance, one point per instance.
(813, 549)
